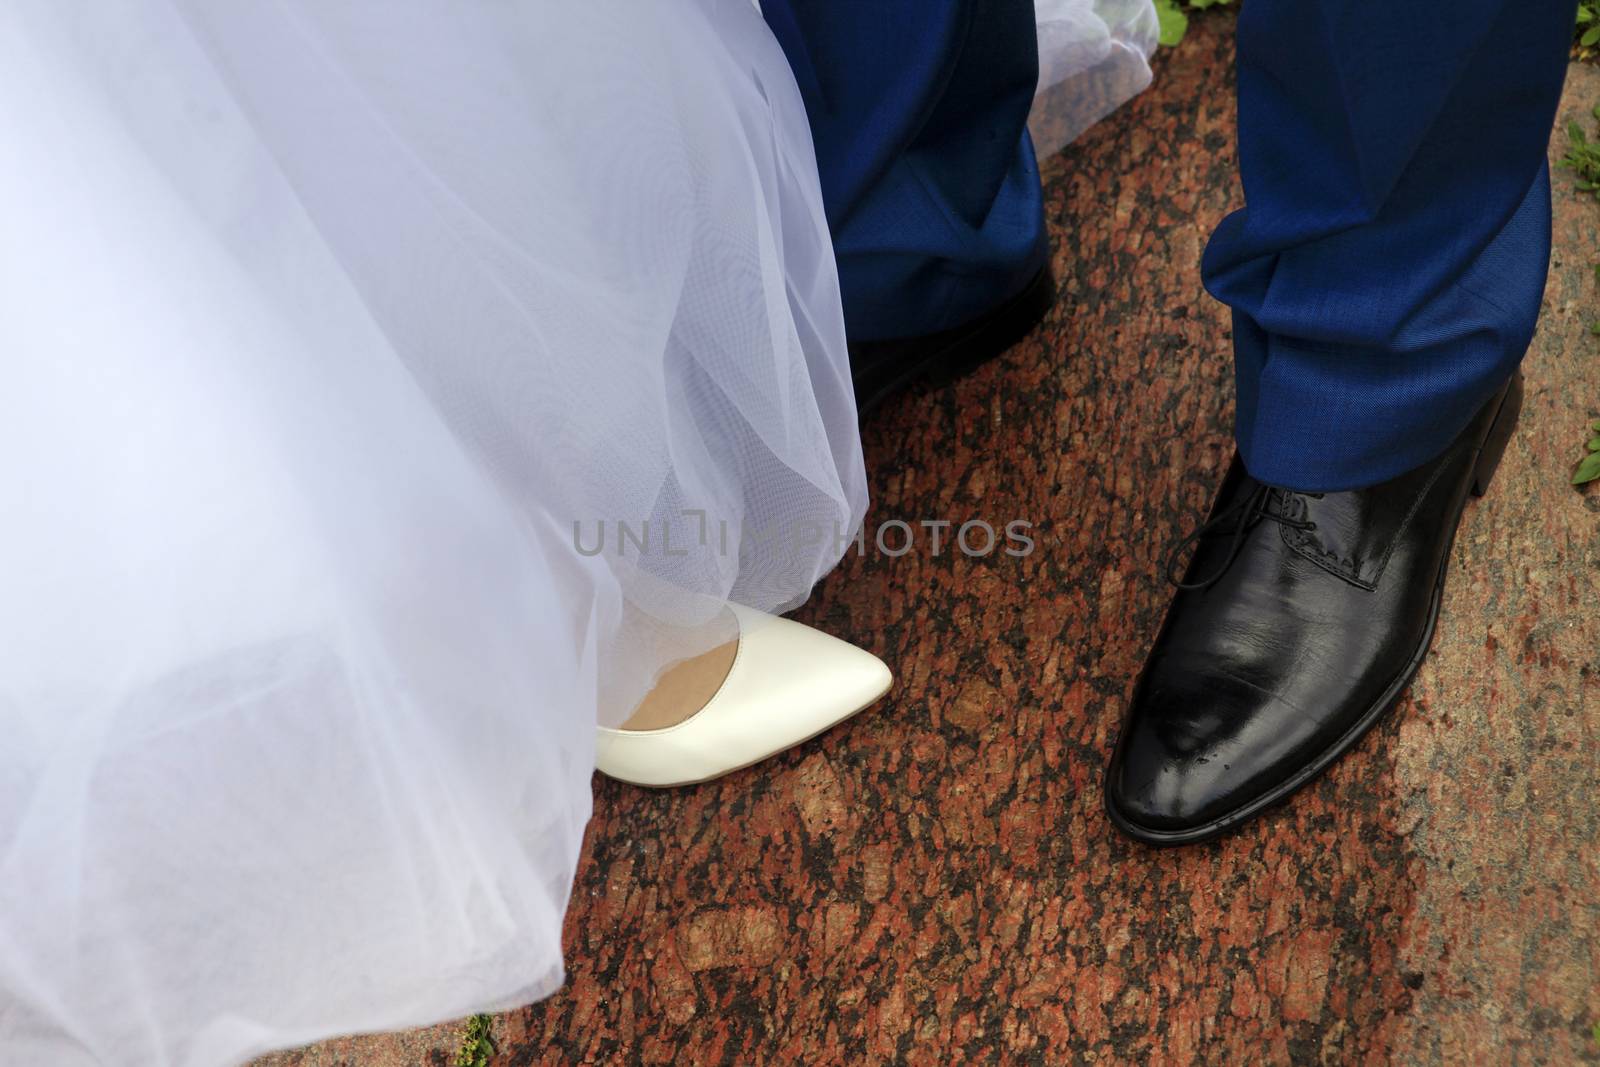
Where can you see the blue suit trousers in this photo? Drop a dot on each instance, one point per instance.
(1384, 274)
(918, 111)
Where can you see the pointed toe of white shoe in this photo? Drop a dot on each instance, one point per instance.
(788, 683)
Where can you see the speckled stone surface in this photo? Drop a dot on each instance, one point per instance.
(934, 883)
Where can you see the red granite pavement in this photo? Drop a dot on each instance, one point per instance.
(935, 883)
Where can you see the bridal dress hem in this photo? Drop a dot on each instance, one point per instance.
(335, 334)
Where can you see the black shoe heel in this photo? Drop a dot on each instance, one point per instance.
(1010, 325)
(1494, 444)
(880, 369)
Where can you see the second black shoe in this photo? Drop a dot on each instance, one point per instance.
(881, 369)
(1298, 623)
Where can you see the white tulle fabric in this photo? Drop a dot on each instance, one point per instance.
(335, 336)
(1094, 55)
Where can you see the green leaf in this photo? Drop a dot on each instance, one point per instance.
(1574, 131)
(1588, 470)
(477, 1042)
(1594, 444)
(1174, 23)
(1590, 37)
(1595, 426)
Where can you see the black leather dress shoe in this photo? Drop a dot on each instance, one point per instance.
(881, 369)
(1297, 624)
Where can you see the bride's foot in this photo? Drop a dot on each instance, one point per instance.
(684, 689)
(779, 684)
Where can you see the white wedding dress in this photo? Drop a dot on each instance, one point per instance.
(323, 326)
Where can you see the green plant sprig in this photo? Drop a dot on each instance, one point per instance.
(477, 1042)
(1174, 19)
(1589, 468)
(1586, 35)
(1583, 157)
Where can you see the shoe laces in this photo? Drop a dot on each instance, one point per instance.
(1237, 520)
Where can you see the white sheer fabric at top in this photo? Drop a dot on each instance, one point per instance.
(324, 325)
(1093, 56)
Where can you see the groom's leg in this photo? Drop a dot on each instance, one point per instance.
(1385, 276)
(1386, 271)
(918, 110)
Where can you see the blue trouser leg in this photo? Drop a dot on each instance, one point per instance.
(918, 109)
(1386, 271)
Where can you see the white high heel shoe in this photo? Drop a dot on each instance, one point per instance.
(788, 683)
